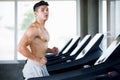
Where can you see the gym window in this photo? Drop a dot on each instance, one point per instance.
(18, 14)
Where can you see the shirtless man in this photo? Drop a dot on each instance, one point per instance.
(34, 43)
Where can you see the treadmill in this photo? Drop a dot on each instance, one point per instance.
(112, 72)
(88, 55)
(67, 51)
(108, 59)
(81, 45)
(108, 62)
(61, 51)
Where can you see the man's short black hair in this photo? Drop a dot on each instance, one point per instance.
(40, 3)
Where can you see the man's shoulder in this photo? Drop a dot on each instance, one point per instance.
(32, 27)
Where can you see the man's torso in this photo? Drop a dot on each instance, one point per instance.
(39, 44)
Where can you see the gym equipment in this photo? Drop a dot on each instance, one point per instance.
(61, 51)
(88, 56)
(81, 45)
(67, 51)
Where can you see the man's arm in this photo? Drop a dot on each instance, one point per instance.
(53, 50)
(24, 42)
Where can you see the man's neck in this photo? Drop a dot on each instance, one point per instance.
(40, 22)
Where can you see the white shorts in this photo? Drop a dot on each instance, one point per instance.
(32, 69)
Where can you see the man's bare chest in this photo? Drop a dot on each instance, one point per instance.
(43, 35)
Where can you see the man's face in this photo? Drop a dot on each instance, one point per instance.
(42, 12)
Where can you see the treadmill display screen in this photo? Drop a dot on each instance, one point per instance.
(71, 44)
(80, 44)
(109, 51)
(92, 42)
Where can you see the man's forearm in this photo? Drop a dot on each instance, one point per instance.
(48, 50)
(26, 52)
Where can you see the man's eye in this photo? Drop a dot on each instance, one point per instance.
(47, 9)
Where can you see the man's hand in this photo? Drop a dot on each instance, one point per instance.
(55, 50)
(41, 61)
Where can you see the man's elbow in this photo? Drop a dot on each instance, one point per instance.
(20, 49)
